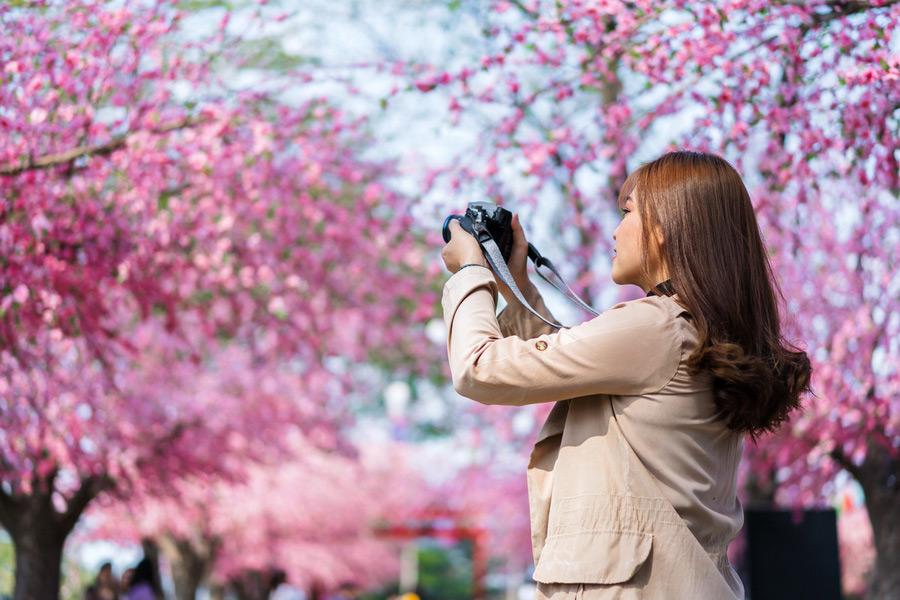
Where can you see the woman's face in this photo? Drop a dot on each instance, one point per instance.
(626, 268)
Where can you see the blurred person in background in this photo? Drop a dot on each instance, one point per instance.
(105, 586)
(125, 584)
(143, 584)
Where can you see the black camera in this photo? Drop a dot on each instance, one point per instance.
(491, 224)
(484, 216)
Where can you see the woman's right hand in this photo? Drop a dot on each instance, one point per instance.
(518, 263)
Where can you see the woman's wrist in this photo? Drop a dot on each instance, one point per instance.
(475, 260)
(471, 265)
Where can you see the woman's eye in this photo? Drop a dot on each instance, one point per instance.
(624, 212)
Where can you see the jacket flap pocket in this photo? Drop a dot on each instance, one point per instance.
(593, 556)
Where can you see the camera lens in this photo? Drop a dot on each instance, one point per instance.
(446, 229)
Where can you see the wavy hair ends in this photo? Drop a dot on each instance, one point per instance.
(698, 208)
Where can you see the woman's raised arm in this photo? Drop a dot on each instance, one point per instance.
(633, 348)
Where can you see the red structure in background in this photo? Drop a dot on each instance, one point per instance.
(448, 525)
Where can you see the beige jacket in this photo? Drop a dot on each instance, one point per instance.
(632, 481)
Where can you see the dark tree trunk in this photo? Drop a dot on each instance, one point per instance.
(759, 491)
(257, 585)
(38, 533)
(879, 477)
(315, 592)
(247, 585)
(38, 550)
(216, 591)
(191, 562)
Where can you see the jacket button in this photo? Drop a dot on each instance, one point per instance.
(540, 345)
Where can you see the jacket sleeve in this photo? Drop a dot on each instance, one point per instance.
(517, 320)
(633, 348)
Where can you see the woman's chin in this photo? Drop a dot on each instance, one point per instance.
(620, 279)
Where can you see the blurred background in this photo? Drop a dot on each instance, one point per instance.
(222, 360)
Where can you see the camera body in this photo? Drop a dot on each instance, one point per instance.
(485, 216)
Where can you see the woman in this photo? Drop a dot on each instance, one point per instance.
(632, 482)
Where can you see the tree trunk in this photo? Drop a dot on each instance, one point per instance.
(39, 532)
(250, 585)
(254, 584)
(216, 591)
(38, 550)
(879, 476)
(191, 562)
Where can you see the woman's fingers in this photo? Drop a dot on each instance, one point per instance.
(518, 258)
(461, 249)
(518, 232)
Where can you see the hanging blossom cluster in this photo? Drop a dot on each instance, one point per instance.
(142, 229)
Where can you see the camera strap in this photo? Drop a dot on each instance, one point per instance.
(541, 261)
(498, 264)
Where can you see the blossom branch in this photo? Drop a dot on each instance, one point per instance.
(90, 488)
(59, 158)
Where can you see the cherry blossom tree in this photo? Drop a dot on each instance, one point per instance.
(802, 97)
(313, 515)
(150, 219)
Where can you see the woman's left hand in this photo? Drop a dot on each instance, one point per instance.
(462, 249)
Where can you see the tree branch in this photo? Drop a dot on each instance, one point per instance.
(838, 455)
(59, 158)
(89, 490)
(518, 4)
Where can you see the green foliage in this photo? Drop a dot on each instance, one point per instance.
(267, 53)
(196, 5)
(75, 578)
(7, 566)
(445, 573)
(25, 4)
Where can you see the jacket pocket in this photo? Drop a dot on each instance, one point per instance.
(603, 556)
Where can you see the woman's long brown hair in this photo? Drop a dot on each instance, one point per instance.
(713, 251)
